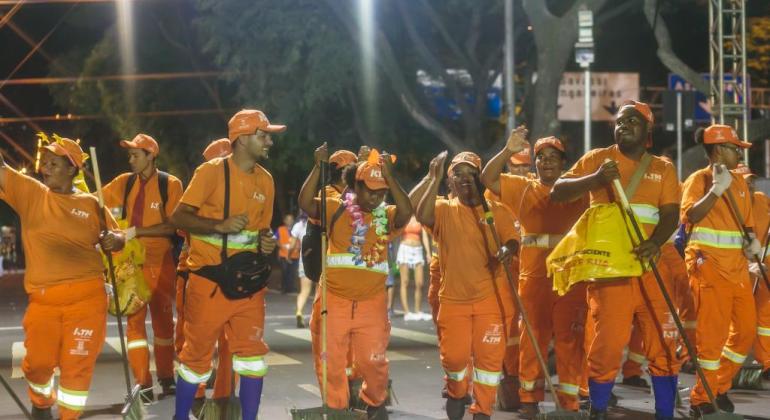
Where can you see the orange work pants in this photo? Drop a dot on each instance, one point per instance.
(617, 304)
(362, 326)
(207, 314)
(512, 350)
(635, 357)
(561, 319)
(64, 327)
(224, 357)
(474, 333)
(160, 280)
(434, 275)
(681, 292)
(726, 328)
(762, 344)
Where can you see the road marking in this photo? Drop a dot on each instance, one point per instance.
(311, 389)
(418, 336)
(304, 334)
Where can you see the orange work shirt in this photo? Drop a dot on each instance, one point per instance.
(156, 247)
(464, 252)
(541, 221)
(657, 188)
(59, 232)
(345, 278)
(251, 194)
(761, 208)
(717, 237)
(284, 239)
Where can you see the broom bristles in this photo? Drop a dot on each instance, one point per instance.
(326, 413)
(749, 377)
(562, 415)
(221, 408)
(134, 411)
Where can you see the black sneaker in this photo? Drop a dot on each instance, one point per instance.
(597, 414)
(698, 411)
(613, 401)
(377, 413)
(300, 321)
(528, 411)
(168, 385)
(481, 416)
(41, 413)
(725, 404)
(455, 408)
(636, 381)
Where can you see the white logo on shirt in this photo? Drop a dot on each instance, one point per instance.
(80, 213)
(654, 177)
(155, 206)
(259, 197)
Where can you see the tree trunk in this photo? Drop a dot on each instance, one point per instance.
(552, 58)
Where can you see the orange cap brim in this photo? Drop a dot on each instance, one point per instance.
(58, 150)
(452, 166)
(274, 128)
(375, 184)
(130, 144)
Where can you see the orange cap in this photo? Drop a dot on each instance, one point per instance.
(69, 149)
(249, 121)
(521, 158)
(217, 148)
(641, 107)
(371, 174)
(721, 134)
(549, 141)
(465, 157)
(142, 141)
(343, 158)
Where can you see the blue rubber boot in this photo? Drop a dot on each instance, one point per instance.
(664, 388)
(185, 395)
(600, 394)
(250, 395)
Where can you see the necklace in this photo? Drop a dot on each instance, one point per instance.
(378, 251)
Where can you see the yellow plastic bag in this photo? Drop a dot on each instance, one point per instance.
(598, 247)
(133, 291)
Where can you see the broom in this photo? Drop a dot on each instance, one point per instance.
(324, 412)
(718, 414)
(133, 409)
(559, 413)
(15, 397)
(749, 377)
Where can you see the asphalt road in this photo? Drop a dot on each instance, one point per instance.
(415, 371)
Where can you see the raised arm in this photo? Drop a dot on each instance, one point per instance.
(721, 182)
(490, 176)
(400, 198)
(309, 189)
(425, 213)
(571, 189)
(186, 217)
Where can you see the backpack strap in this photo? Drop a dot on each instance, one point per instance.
(163, 188)
(129, 185)
(337, 214)
(636, 178)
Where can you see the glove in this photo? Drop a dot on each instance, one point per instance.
(755, 271)
(721, 179)
(750, 249)
(130, 233)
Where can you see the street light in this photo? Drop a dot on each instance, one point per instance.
(584, 55)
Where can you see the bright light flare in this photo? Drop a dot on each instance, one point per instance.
(127, 49)
(367, 33)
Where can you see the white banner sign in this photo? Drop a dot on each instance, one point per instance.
(608, 91)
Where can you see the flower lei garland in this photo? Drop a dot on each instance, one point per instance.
(358, 238)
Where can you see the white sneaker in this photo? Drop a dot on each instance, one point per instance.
(411, 316)
(426, 316)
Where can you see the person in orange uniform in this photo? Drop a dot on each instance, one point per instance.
(208, 311)
(476, 303)
(216, 149)
(65, 322)
(761, 208)
(147, 215)
(520, 163)
(542, 225)
(357, 268)
(716, 257)
(656, 205)
(288, 255)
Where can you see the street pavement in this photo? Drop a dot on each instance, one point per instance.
(414, 369)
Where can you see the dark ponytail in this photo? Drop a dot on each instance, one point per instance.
(709, 148)
(349, 176)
